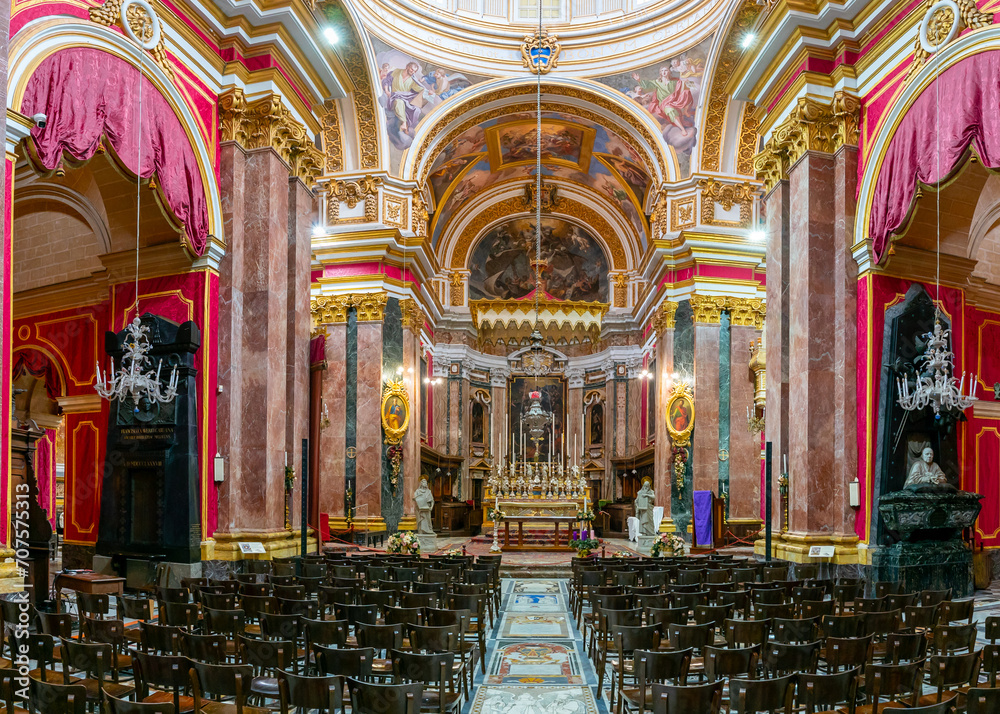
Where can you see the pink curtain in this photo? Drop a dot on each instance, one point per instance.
(969, 117)
(37, 365)
(317, 350)
(88, 95)
(45, 473)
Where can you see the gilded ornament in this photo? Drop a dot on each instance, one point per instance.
(664, 317)
(749, 139)
(352, 192)
(370, 307)
(329, 309)
(419, 214)
(413, 316)
(682, 213)
(457, 289)
(394, 211)
(139, 21)
(727, 195)
(658, 218)
(943, 21)
(708, 308)
(540, 53)
(620, 282)
(746, 312)
(333, 140)
(395, 411)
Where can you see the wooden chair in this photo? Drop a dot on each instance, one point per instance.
(701, 698)
(951, 639)
(934, 597)
(827, 692)
(476, 607)
(654, 667)
(179, 614)
(8, 688)
(160, 639)
(267, 658)
(385, 698)
(749, 696)
(897, 683)
(951, 611)
(94, 660)
(113, 705)
(435, 672)
(222, 680)
(50, 698)
(950, 675)
(781, 658)
(746, 633)
(847, 653)
(161, 679)
(904, 646)
(626, 640)
(982, 700)
(795, 630)
(110, 632)
(355, 662)
(139, 609)
(324, 693)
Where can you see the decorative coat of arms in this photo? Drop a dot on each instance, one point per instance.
(539, 52)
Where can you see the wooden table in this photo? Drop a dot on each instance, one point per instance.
(521, 520)
(90, 583)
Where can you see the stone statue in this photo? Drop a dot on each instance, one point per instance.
(424, 501)
(925, 472)
(644, 502)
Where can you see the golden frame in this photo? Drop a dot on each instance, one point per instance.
(681, 394)
(589, 134)
(394, 393)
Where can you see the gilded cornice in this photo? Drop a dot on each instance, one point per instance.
(352, 192)
(329, 309)
(370, 307)
(265, 123)
(718, 101)
(812, 125)
(549, 90)
(746, 312)
(515, 206)
(707, 308)
(664, 318)
(333, 140)
(413, 316)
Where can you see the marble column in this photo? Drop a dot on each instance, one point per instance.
(812, 308)
(302, 207)
(333, 439)
(413, 322)
(705, 445)
(368, 426)
(744, 447)
(574, 423)
(663, 473)
(776, 209)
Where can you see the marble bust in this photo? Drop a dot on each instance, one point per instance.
(645, 499)
(925, 472)
(423, 499)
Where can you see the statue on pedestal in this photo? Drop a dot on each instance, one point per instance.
(645, 499)
(423, 499)
(925, 472)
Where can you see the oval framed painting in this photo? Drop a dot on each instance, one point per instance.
(395, 412)
(680, 414)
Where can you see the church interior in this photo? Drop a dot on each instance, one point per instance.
(500, 356)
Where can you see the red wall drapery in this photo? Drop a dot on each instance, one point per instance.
(37, 365)
(969, 117)
(86, 95)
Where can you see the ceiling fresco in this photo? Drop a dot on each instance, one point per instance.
(671, 92)
(576, 266)
(574, 150)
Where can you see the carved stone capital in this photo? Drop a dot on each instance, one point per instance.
(413, 315)
(664, 317)
(329, 310)
(746, 312)
(708, 309)
(771, 166)
(266, 123)
(370, 307)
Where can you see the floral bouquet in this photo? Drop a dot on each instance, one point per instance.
(622, 554)
(405, 543)
(587, 515)
(496, 515)
(584, 542)
(453, 551)
(668, 545)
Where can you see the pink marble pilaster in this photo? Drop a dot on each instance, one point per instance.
(812, 310)
(574, 410)
(411, 442)
(369, 422)
(744, 447)
(634, 416)
(663, 469)
(705, 446)
(619, 392)
(333, 439)
(301, 217)
(776, 211)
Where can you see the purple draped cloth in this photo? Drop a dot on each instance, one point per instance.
(86, 95)
(969, 117)
(703, 518)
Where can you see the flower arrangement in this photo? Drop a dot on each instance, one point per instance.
(584, 542)
(453, 551)
(669, 545)
(496, 515)
(395, 454)
(622, 554)
(349, 500)
(587, 515)
(405, 543)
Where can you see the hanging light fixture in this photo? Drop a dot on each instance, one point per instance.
(136, 379)
(936, 385)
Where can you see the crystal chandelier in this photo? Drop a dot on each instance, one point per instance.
(936, 387)
(136, 381)
(136, 378)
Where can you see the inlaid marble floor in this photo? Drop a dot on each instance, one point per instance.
(536, 658)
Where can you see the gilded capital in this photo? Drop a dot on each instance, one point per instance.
(771, 166)
(746, 312)
(329, 309)
(413, 315)
(708, 308)
(457, 281)
(266, 123)
(664, 317)
(370, 307)
(620, 283)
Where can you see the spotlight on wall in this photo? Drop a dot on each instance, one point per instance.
(331, 35)
(747, 40)
(757, 236)
(318, 231)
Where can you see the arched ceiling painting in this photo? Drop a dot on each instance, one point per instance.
(574, 150)
(576, 266)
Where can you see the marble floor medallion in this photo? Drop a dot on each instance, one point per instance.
(531, 602)
(534, 700)
(535, 663)
(544, 626)
(537, 586)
